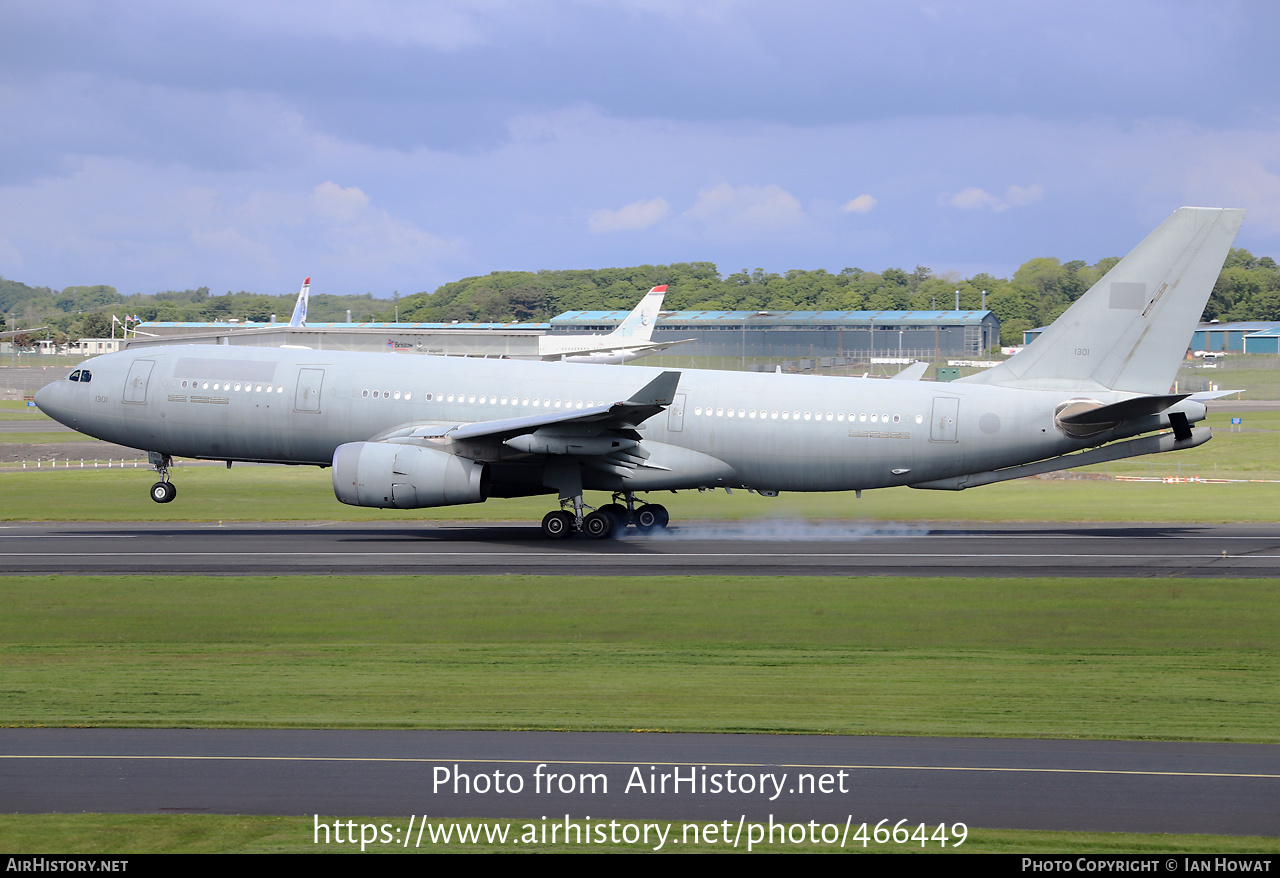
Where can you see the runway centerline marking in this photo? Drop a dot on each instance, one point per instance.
(617, 763)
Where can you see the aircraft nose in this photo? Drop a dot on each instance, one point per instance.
(49, 400)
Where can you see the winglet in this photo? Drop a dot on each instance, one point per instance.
(661, 391)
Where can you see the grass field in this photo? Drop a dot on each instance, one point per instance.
(266, 493)
(275, 493)
(111, 834)
(1191, 659)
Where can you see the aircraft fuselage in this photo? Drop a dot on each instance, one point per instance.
(773, 432)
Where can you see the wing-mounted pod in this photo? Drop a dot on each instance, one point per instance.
(390, 476)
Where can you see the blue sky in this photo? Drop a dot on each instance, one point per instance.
(380, 145)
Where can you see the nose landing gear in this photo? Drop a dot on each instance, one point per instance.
(164, 490)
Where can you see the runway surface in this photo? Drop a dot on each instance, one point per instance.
(755, 548)
(1111, 786)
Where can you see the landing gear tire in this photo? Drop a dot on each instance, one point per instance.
(651, 517)
(599, 525)
(163, 492)
(558, 525)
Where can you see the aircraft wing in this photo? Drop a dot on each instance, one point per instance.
(622, 416)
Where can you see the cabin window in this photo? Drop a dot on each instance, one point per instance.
(397, 396)
(698, 410)
(773, 416)
(786, 416)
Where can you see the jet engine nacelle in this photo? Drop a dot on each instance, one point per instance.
(390, 476)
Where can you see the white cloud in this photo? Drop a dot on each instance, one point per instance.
(861, 204)
(747, 207)
(974, 198)
(632, 218)
(337, 204)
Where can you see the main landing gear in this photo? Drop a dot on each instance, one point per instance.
(164, 490)
(607, 521)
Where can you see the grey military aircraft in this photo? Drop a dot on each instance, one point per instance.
(417, 432)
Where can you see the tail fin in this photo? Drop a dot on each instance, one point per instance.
(638, 325)
(299, 317)
(1131, 329)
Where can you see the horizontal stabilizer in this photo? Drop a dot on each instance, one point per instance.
(1126, 410)
(914, 372)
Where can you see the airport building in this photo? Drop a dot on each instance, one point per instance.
(855, 336)
(860, 335)
(1246, 337)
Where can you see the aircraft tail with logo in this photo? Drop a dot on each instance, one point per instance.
(299, 317)
(638, 325)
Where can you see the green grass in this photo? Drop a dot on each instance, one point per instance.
(1256, 375)
(278, 493)
(116, 834)
(269, 493)
(1191, 659)
(44, 438)
(16, 410)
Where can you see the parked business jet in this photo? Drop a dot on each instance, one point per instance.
(418, 432)
(629, 340)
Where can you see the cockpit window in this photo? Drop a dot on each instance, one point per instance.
(86, 376)
(75, 376)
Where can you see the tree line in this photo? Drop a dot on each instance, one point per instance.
(1248, 288)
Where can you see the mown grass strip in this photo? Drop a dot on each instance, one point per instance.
(122, 834)
(1185, 659)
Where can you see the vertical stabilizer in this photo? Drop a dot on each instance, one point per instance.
(299, 317)
(1131, 329)
(638, 325)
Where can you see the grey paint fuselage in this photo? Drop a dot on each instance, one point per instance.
(850, 433)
